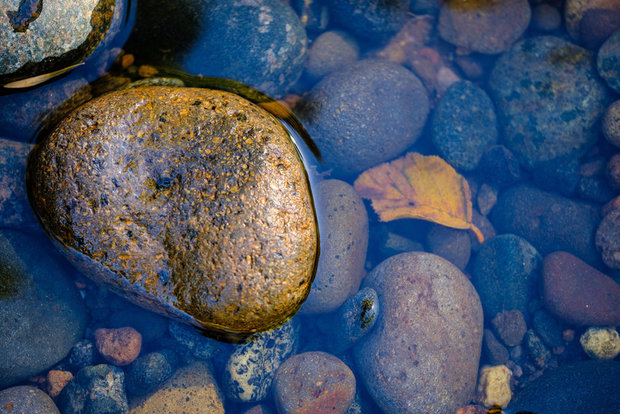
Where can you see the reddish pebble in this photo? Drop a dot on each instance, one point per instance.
(577, 293)
(314, 382)
(472, 409)
(56, 381)
(118, 346)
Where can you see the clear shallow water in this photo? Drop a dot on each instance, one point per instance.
(578, 176)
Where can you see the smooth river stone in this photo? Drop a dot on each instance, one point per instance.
(422, 355)
(193, 203)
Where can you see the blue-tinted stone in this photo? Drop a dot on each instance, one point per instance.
(81, 355)
(608, 61)
(549, 98)
(190, 340)
(505, 274)
(149, 371)
(25, 399)
(369, 19)
(464, 125)
(41, 310)
(94, 390)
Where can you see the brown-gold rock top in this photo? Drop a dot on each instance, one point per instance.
(191, 202)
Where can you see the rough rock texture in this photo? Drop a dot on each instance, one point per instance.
(118, 346)
(192, 389)
(549, 96)
(423, 353)
(95, 389)
(185, 201)
(52, 36)
(314, 382)
(485, 26)
(25, 399)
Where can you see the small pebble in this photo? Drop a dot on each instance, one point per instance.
(452, 244)
(118, 346)
(495, 352)
(94, 390)
(536, 349)
(611, 124)
(314, 382)
(56, 381)
(510, 326)
(494, 386)
(546, 18)
(486, 198)
(331, 51)
(25, 399)
(548, 330)
(149, 371)
(601, 343)
(81, 355)
(608, 239)
(613, 172)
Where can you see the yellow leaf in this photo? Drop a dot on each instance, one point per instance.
(419, 187)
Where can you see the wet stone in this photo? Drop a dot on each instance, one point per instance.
(373, 20)
(499, 166)
(493, 350)
(600, 342)
(484, 26)
(549, 95)
(577, 14)
(192, 389)
(613, 172)
(579, 387)
(93, 390)
(536, 349)
(330, 51)
(250, 370)
(505, 274)
(193, 228)
(608, 239)
(25, 399)
(430, 327)
(578, 294)
(364, 114)
(314, 382)
(510, 326)
(38, 37)
(464, 125)
(546, 18)
(548, 330)
(548, 221)
(266, 33)
(353, 320)
(343, 247)
(41, 312)
(119, 346)
(597, 25)
(611, 124)
(82, 354)
(150, 325)
(192, 342)
(559, 175)
(451, 244)
(149, 371)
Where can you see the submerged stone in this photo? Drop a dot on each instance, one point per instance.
(190, 202)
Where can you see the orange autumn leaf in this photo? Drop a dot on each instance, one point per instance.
(419, 187)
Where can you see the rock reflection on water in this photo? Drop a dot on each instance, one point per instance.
(517, 96)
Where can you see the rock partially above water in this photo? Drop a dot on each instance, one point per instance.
(190, 202)
(37, 40)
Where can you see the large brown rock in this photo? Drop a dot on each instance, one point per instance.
(422, 355)
(191, 202)
(579, 294)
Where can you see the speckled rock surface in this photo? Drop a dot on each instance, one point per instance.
(549, 95)
(49, 36)
(25, 399)
(608, 61)
(314, 382)
(369, 19)
(192, 389)
(251, 368)
(423, 353)
(343, 247)
(41, 311)
(95, 389)
(464, 125)
(364, 114)
(484, 26)
(576, 10)
(218, 225)
(261, 43)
